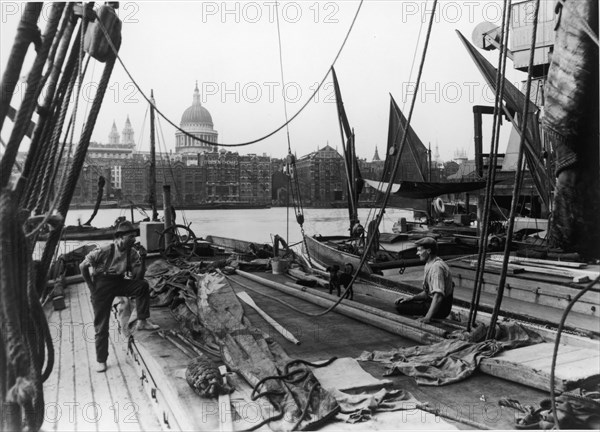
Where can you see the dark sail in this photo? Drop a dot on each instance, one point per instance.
(413, 162)
(515, 100)
(354, 179)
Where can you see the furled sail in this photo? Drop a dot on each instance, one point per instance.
(425, 190)
(353, 177)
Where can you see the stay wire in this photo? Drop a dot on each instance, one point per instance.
(498, 103)
(518, 179)
(396, 164)
(247, 142)
(402, 142)
(287, 128)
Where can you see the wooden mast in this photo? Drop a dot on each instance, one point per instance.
(152, 176)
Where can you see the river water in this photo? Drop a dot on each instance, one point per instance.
(256, 225)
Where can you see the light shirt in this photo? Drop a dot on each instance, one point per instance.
(437, 278)
(99, 258)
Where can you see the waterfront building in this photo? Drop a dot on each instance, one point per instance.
(322, 179)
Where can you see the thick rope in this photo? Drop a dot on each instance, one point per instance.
(27, 32)
(482, 250)
(74, 171)
(53, 103)
(518, 181)
(397, 159)
(31, 95)
(25, 332)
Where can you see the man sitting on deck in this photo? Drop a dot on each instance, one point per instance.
(436, 299)
(111, 263)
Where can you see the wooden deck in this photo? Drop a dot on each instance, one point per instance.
(77, 398)
(517, 302)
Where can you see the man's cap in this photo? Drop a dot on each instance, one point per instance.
(426, 242)
(125, 227)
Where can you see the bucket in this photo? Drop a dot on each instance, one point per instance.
(279, 265)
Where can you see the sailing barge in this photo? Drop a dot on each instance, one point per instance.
(278, 382)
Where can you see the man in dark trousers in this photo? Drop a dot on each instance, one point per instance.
(111, 263)
(438, 289)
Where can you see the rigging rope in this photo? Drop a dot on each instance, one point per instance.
(247, 142)
(396, 164)
(482, 250)
(31, 95)
(291, 160)
(402, 142)
(27, 33)
(66, 193)
(25, 335)
(518, 180)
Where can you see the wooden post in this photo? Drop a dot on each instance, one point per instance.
(152, 175)
(410, 332)
(167, 212)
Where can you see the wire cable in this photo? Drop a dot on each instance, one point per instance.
(247, 142)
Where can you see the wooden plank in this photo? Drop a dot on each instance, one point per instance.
(543, 262)
(532, 353)
(408, 321)
(283, 331)
(53, 410)
(520, 365)
(588, 304)
(576, 274)
(165, 363)
(65, 397)
(225, 417)
(553, 288)
(93, 405)
(411, 332)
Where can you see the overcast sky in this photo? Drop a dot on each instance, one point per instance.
(231, 49)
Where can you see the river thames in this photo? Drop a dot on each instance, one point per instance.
(256, 225)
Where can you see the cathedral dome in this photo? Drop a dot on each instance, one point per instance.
(196, 114)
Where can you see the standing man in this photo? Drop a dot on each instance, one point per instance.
(111, 263)
(438, 289)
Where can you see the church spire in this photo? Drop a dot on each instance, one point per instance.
(196, 95)
(376, 155)
(127, 133)
(113, 136)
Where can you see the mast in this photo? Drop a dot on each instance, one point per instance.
(152, 189)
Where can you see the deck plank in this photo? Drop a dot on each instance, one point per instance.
(91, 411)
(77, 397)
(575, 366)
